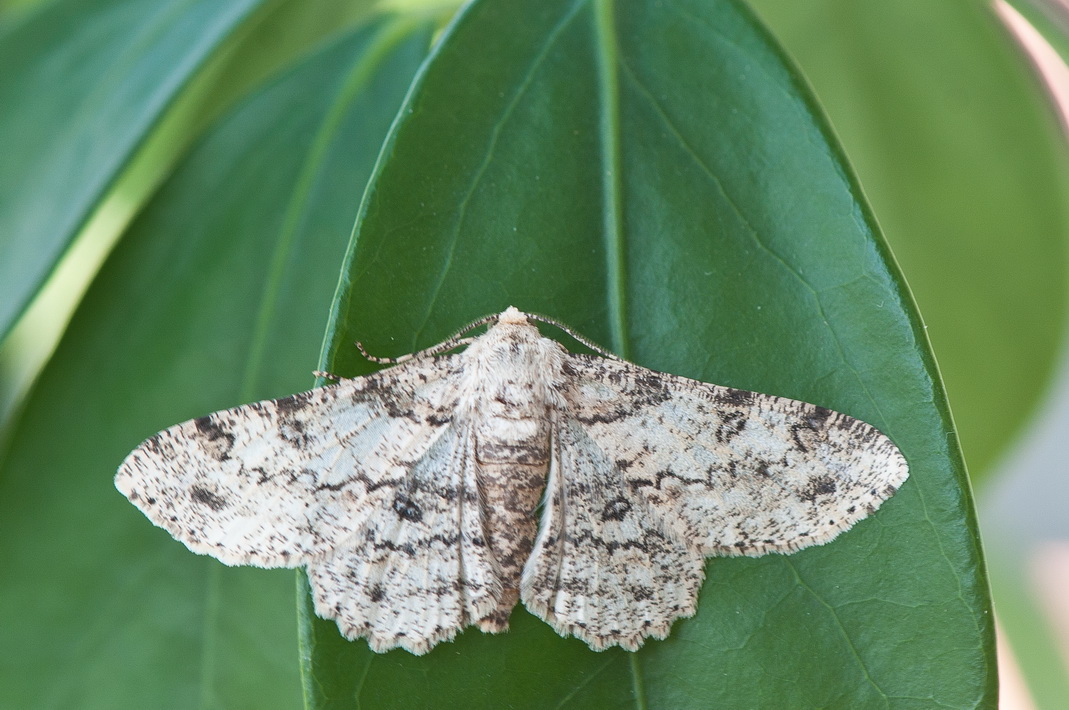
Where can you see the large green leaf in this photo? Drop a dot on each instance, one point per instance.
(965, 165)
(656, 175)
(83, 84)
(217, 295)
(961, 156)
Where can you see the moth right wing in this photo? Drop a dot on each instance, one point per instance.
(733, 472)
(282, 482)
(652, 472)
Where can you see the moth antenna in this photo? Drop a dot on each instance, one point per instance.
(442, 347)
(576, 336)
(380, 360)
(454, 341)
(326, 375)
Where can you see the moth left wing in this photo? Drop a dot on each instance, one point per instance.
(421, 569)
(728, 471)
(281, 482)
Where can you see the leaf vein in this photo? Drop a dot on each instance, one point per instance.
(491, 148)
(754, 234)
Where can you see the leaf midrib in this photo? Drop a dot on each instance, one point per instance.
(607, 58)
(609, 136)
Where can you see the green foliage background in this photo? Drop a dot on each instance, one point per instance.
(656, 174)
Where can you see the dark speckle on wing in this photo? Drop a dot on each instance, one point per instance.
(216, 440)
(407, 509)
(206, 497)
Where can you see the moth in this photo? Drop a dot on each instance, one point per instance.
(435, 494)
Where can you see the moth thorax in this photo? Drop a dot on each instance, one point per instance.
(512, 370)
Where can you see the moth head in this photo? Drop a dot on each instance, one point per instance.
(515, 329)
(512, 330)
(513, 342)
(512, 316)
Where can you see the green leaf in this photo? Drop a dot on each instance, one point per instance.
(257, 47)
(965, 165)
(285, 31)
(84, 83)
(12, 10)
(217, 295)
(961, 155)
(655, 174)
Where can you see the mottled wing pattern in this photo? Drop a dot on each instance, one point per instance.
(408, 494)
(653, 472)
(283, 482)
(732, 472)
(419, 570)
(604, 567)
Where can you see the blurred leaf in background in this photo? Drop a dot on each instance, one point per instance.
(217, 294)
(111, 69)
(52, 117)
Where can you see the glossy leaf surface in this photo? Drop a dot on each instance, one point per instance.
(655, 175)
